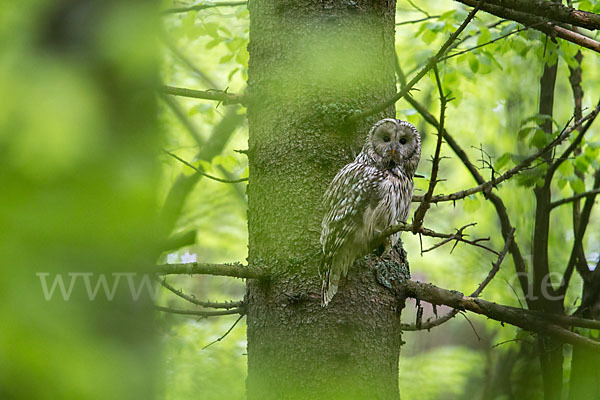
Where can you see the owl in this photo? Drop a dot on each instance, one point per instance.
(367, 196)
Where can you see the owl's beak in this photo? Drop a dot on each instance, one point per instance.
(393, 151)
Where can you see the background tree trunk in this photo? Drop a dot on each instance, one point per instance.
(311, 64)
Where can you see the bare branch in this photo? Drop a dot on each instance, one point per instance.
(192, 299)
(565, 155)
(226, 333)
(183, 185)
(495, 268)
(459, 236)
(550, 10)
(522, 166)
(419, 214)
(432, 61)
(218, 95)
(584, 219)
(576, 38)
(486, 43)
(203, 6)
(496, 201)
(235, 270)
(515, 316)
(578, 196)
(415, 21)
(198, 313)
(538, 23)
(198, 170)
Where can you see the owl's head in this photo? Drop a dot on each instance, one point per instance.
(395, 143)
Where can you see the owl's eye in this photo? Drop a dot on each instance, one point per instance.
(386, 138)
(403, 141)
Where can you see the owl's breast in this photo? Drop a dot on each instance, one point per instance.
(396, 194)
(393, 205)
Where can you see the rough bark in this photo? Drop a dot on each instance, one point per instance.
(312, 64)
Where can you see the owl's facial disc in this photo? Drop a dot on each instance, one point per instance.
(394, 143)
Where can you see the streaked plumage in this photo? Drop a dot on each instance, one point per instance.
(367, 196)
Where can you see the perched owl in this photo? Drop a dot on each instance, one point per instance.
(367, 196)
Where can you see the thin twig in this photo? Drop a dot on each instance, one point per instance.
(201, 172)
(565, 155)
(459, 236)
(584, 219)
(495, 266)
(522, 166)
(226, 333)
(578, 196)
(497, 202)
(464, 314)
(486, 43)
(420, 212)
(508, 341)
(415, 21)
(209, 304)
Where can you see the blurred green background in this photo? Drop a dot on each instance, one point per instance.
(82, 178)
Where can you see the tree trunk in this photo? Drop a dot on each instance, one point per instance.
(550, 350)
(585, 375)
(312, 64)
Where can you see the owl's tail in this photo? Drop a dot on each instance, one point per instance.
(330, 284)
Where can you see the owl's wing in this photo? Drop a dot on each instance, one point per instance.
(347, 197)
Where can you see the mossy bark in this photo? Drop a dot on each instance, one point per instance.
(312, 63)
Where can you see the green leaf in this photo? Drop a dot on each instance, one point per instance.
(233, 71)
(538, 118)
(212, 29)
(448, 15)
(502, 161)
(429, 36)
(473, 62)
(484, 37)
(525, 132)
(213, 43)
(519, 45)
(436, 26)
(506, 29)
(582, 163)
(539, 139)
(226, 58)
(577, 185)
(566, 169)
